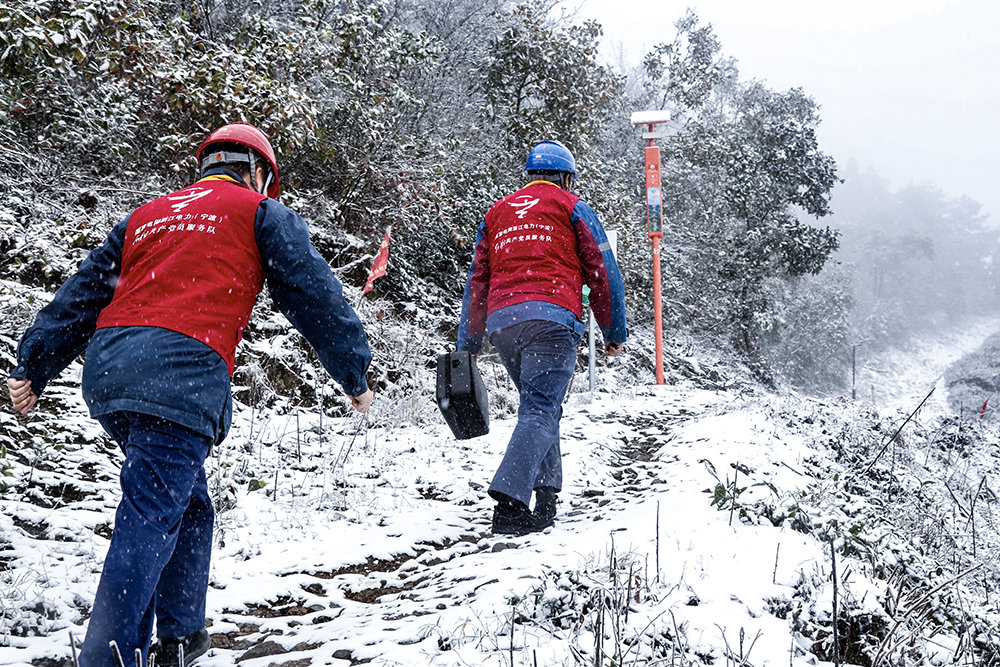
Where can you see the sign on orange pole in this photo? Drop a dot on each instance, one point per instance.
(654, 198)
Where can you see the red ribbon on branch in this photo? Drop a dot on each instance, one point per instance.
(380, 264)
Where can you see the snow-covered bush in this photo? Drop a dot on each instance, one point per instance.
(910, 558)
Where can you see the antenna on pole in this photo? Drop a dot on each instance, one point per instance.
(654, 216)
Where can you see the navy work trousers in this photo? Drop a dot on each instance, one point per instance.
(540, 357)
(158, 561)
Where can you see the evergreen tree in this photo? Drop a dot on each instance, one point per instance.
(744, 162)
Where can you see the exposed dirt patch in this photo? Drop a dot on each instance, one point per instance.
(283, 606)
(33, 529)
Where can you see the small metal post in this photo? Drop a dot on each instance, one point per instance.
(592, 348)
(854, 372)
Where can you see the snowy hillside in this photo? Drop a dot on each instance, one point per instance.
(899, 378)
(698, 525)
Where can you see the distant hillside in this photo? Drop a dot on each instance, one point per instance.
(975, 379)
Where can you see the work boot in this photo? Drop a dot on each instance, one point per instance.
(167, 650)
(512, 517)
(545, 506)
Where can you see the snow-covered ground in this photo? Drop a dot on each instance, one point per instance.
(900, 378)
(695, 525)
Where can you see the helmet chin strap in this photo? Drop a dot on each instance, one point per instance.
(253, 171)
(253, 175)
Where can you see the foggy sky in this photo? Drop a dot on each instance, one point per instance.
(909, 88)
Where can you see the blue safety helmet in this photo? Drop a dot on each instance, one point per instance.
(550, 155)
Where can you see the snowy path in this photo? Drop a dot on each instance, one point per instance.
(900, 378)
(433, 587)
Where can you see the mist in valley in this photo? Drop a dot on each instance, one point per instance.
(913, 263)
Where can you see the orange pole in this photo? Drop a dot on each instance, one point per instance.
(657, 310)
(654, 217)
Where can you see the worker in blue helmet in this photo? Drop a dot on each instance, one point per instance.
(551, 156)
(535, 250)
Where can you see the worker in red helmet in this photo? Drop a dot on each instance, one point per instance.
(160, 308)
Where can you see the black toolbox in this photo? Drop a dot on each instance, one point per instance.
(461, 395)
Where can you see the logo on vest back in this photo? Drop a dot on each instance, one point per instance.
(523, 204)
(189, 197)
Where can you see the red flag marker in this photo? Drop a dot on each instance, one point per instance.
(379, 265)
(982, 410)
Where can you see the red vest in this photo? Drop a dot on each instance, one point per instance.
(533, 250)
(190, 264)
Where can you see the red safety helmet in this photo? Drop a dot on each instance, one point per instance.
(247, 135)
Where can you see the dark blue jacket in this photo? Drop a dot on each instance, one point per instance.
(167, 374)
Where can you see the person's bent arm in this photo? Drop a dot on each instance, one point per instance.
(601, 273)
(63, 328)
(305, 290)
(472, 322)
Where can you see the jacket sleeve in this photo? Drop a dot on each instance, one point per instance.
(472, 323)
(63, 328)
(601, 273)
(305, 290)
